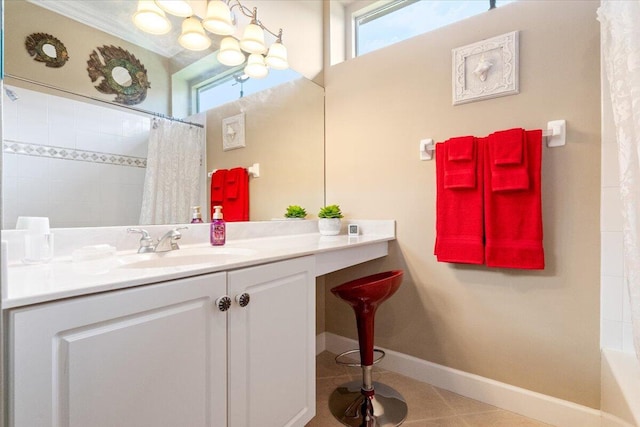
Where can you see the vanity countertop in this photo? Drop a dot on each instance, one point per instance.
(63, 278)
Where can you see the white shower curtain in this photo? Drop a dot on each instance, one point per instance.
(620, 27)
(172, 181)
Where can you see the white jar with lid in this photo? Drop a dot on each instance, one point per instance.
(38, 239)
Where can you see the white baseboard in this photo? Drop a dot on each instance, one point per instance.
(609, 420)
(551, 410)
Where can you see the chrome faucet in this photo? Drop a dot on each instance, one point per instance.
(146, 242)
(166, 243)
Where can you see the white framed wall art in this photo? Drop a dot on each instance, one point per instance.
(486, 69)
(233, 132)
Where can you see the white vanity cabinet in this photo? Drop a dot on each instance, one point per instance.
(165, 355)
(272, 345)
(147, 356)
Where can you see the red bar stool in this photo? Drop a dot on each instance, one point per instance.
(367, 403)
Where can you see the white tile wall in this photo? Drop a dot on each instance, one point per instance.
(615, 310)
(612, 298)
(72, 192)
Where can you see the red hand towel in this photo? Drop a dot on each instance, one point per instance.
(509, 168)
(236, 202)
(217, 188)
(507, 146)
(459, 223)
(461, 148)
(460, 162)
(232, 184)
(513, 219)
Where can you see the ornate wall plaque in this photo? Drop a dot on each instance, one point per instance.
(233, 132)
(46, 48)
(486, 69)
(122, 74)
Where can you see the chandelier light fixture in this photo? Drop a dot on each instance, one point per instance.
(151, 17)
(176, 8)
(193, 36)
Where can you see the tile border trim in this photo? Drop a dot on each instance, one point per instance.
(38, 150)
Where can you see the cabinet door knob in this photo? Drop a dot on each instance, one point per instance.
(243, 299)
(223, 303)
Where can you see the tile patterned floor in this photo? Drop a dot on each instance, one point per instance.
(429, 406)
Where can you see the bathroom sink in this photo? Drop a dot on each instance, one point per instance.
(185, 257)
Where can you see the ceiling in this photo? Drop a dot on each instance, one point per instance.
(115, 17)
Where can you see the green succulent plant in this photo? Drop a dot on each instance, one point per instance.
(330, 211)
(295, 211)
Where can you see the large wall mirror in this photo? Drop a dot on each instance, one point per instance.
(74, 155)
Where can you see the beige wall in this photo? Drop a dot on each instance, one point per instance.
(284, 133)
(534, 329)
(22, 19)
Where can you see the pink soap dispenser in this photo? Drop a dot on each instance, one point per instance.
(196, 216)
(218, 231)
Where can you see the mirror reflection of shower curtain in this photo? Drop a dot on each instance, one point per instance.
(620, 36)
(172, 180)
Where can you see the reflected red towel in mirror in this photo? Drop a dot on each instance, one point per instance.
(236, 201)
(217, 189)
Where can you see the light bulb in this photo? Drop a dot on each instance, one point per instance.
(193, 36)
(277, 57)
(218, 19)
(255, 66)
(176, 7)
(253, 39)
(229, 53)
(150, 18)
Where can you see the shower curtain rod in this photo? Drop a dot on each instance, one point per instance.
(139, 110)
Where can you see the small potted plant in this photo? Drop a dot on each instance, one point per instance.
(295, 212)
(329, 220)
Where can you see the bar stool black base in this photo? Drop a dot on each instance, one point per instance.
(346, 404)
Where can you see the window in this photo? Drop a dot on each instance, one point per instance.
(235, 85)
(402, 19)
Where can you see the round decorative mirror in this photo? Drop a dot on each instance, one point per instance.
(46, 48)
(121, 73)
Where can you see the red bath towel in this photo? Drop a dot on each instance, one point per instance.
(513, 219)
(236, 191)
(459, 222)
